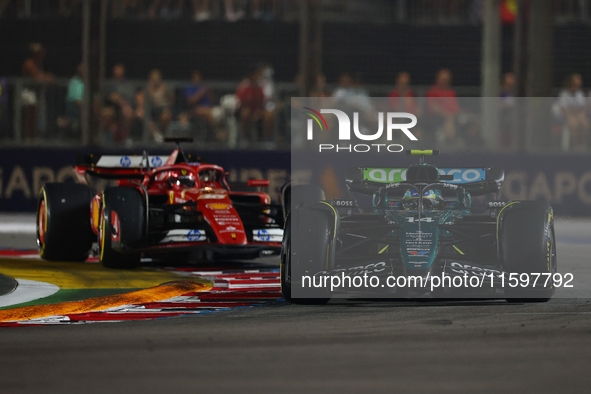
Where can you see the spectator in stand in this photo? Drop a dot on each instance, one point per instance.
(198, 99)
(319, 89)
(360, 90)
(573, 105)
(159, 95)
(160, 98)
(352, 94)
(32, 100)
(160, 128)
(33, 65)
(201, 10)
(345, 87)
(122, 112)
(362, 100)
(402, 97)
(506, 107)
(442, 107)
(507, 93)
(74, 99)
(267, 83)
(234, 11)
(252, 100)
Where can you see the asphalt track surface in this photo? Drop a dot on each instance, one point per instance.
(346, 346)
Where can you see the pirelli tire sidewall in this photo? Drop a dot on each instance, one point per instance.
(309, 248)
(63, 222)
(122, 227)
(527, 245)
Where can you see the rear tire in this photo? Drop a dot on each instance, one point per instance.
(63, 222)
(308, 248)
(121, 226)
(528, 245)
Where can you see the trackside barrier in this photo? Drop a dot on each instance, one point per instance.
(563, 180)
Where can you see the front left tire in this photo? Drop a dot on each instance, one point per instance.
(308, 249)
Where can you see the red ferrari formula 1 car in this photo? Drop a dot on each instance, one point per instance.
(160, 207)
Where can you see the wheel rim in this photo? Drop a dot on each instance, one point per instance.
(553, 260)
(101, 235)
(41, 224)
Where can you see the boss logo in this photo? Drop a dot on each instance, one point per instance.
(497, 204)
(343, 203)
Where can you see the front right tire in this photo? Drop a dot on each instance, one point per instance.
(121, 227)
(528, 246)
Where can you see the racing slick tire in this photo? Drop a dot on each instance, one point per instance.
(528, 246)
(63, 222)
(122, 225)
(308, 248)
(292, 195)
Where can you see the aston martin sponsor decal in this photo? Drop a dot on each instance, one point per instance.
(372, 268)
(397, 175)
(460, 268)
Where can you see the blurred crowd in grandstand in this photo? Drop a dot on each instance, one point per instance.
(419, 11)
(129, 112)
(253, 113)
(43, 108)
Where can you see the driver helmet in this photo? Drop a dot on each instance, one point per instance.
(181, 178)
(432, 199)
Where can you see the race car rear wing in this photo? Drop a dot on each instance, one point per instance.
(477, 181)
(120, 161)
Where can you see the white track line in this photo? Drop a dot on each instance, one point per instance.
(17, 228)
(28, 290)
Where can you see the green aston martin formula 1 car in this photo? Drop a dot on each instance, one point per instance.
(414, 232)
